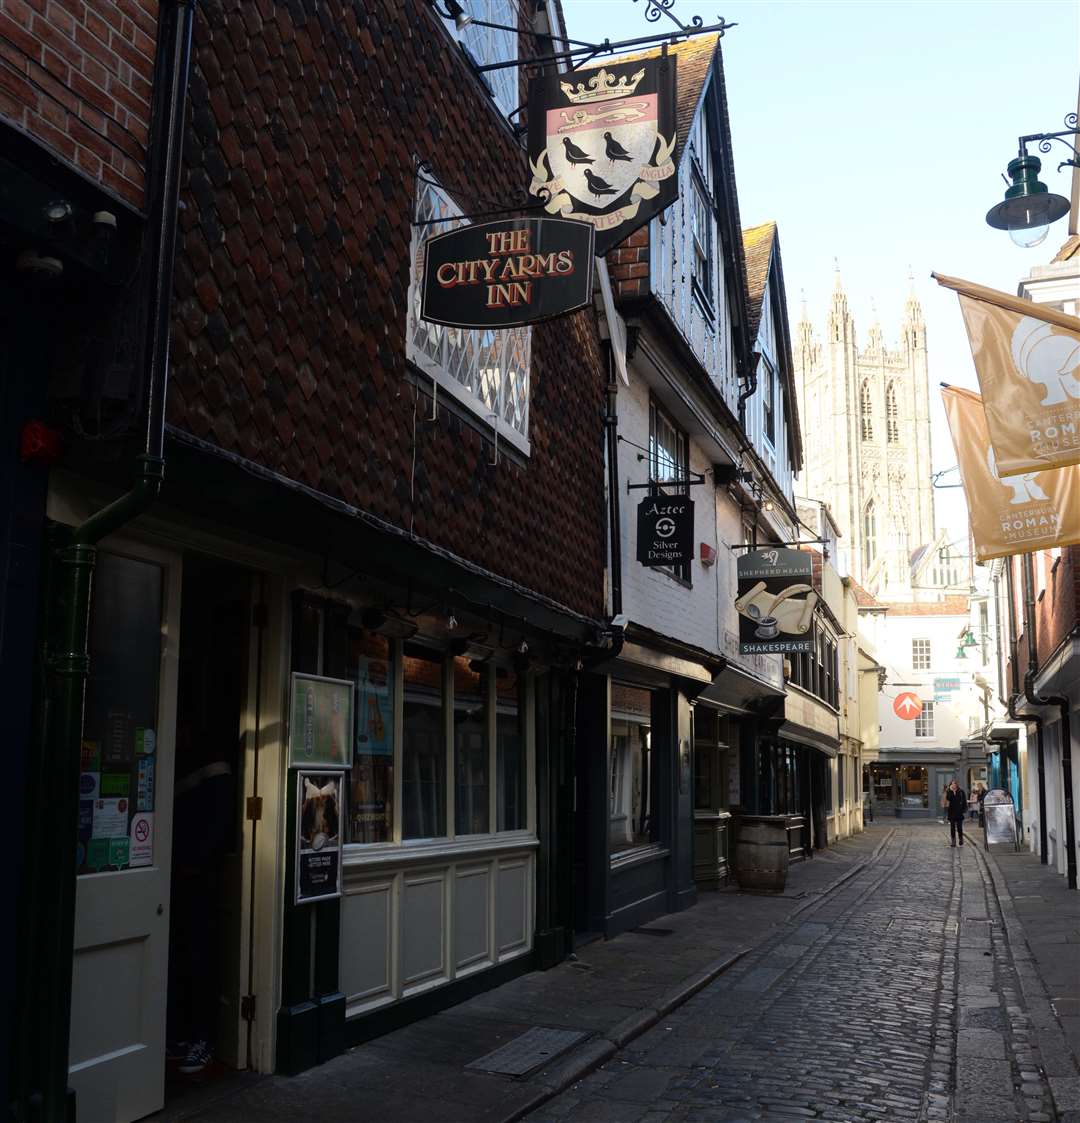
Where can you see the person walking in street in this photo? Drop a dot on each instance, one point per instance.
(955, 809)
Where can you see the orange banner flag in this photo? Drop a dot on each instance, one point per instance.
(1027, 357)
(1017, 514)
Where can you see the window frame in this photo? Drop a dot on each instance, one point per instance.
(926, 721)
(657, 414)
(702, 213)
(505, 347)
(866, 411)
(622, 771)
(892, 414)
(526, 715)
(503, 86)
(768, 402)
(921, 653)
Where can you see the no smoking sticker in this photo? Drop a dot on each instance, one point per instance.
(142, 839)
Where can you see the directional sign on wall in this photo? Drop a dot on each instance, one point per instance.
(907, 706)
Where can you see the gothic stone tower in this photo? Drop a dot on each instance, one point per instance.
(866, 415)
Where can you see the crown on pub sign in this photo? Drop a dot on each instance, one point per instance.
(602, 86)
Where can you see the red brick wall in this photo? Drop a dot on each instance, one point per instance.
(77, 76)
(1057, 610)
(629, 265)
(292, 275)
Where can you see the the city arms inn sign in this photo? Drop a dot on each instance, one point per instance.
(504, 274)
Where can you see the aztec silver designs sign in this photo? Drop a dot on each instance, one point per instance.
(776, 601)
(601, 144)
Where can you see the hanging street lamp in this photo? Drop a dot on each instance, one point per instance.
(1029, 207)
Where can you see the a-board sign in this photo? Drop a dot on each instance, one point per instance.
(776, 601)
(508, 273)
(999, 818)
(665, 530)
(602, 143)
(319, 818)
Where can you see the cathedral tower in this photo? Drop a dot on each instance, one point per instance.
(866, 415)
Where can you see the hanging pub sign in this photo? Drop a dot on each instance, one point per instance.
(665, 530)
(776, 601)
(601, 143)
(319, 817)
(508, 273)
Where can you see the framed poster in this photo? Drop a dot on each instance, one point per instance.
(319, 795)
(320, 722)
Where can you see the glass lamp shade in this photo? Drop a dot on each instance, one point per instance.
(1028, 208)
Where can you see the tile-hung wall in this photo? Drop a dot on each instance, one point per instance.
(439, 859)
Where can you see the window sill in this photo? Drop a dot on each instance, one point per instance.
(640, 856)
(377, 855)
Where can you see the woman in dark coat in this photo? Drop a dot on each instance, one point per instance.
(955, 809)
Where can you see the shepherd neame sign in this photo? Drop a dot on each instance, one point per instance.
(505, 274)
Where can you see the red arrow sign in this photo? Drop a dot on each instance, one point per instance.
(907, 706)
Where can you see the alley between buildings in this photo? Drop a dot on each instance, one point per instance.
(895, 979)
(902, 997)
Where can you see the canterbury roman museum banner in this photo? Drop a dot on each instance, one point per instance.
(1009, 514)
(602, 142)
(1027, 357)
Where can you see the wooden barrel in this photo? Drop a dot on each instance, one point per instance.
(761, 853)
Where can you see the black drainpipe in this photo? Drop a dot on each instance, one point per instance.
(611, 424)
(1032, 719)
(1062, 704)
(751, 385)
(68, 664)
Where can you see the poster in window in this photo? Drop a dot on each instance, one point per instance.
(320, 722)
(776, 602)
(319, 795)
(374, 721)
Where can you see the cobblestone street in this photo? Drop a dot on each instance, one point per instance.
(907, 994)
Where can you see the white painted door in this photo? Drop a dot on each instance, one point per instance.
(120, 967)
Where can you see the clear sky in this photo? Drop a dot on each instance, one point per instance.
(876, 133)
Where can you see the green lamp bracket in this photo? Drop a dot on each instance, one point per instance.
(1045, 140)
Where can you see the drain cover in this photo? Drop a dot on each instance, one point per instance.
(653, 931)
(532, 1049)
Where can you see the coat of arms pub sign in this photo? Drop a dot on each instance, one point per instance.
(601, 143)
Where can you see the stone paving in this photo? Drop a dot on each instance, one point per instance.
(906, 994)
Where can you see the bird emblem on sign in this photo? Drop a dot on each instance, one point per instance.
(601, 145)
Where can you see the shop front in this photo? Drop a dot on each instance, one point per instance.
(634, 820)
(907, 789)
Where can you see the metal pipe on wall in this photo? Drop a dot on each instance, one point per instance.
(48, 1010)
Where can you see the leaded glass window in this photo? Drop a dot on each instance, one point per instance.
(487, 371)
(491, 44)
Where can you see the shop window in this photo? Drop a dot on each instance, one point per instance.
(631, 770)
(913, 787)
(924, 723)
(511, 778)
(841, 768)
(487, 372)
(423, 761)
(371, 802)
(712, 747)
(669, 460)
(920, 654)
(471, 810)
